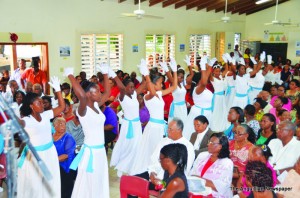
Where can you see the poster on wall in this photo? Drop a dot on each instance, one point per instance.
(135, 48)
(297, 53)
(297, 44)
(64, 51)
(276, 37)
(181, 47)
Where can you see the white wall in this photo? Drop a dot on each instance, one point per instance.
(289, 10)
(60, 23)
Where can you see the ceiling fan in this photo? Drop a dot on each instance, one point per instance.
(225, 18)
(139, 14)
(277, 22)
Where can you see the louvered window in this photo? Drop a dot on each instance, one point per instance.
(199, 45)
(98, 48)
(159, 47)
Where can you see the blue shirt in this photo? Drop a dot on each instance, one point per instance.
(111, 118)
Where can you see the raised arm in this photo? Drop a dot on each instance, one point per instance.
(142, 87)
(167, 71)
(189, 79)
(106, 93)
(55, 83)
(257, 67)
(173, 65)
(204, 75)
(120, 85)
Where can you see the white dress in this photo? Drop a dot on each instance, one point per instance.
(178, 104)
(219, 114)
(256, 84)
(31, 182)
(241, 98)
(153, 134)
(92, 183)
(124, 151)
(230, 92)
(202, 106)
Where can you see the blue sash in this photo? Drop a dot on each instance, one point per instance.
(77, 159)
(130, 133)
(255, 88)
(160, 122)
(228, 92)
(243, 95)
(171, 114)
(202, 109)
(220, 93)
(43, 147)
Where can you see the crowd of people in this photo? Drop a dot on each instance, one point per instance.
(233, 122)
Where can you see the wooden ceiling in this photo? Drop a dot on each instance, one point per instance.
(234, 6)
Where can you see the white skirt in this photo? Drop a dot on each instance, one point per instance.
(219, 115)
(180, 111)
(95, 184)
(125, 150)
(152, 135)
(31, 182)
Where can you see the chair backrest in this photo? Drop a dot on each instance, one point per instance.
(133, 185)
(3, 163)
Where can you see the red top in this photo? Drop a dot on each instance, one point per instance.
(206, 167)
(29, 76)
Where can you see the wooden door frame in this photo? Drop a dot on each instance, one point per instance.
(45, 55)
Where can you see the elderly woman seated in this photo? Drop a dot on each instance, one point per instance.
(65, 146)
(215, 166)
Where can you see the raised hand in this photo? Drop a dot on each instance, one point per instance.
(55, 83)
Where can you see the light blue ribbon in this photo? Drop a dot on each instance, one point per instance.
(228, 91)
(78, 158)
(255, 88)
(43, 147)
(157, 121)
(203, 109)
(220, 93)
(243, 95)
(171, 114)
(130, 133)
(228, 132)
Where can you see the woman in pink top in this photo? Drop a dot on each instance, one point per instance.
(278, 106)
(257, 153)
(281, 93)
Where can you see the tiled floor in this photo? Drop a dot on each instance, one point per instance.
(114, 182)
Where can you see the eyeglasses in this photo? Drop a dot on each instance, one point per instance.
(214, 143)
(239, 134)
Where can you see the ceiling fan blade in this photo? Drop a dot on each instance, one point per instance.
(216, 21)
(238, 21)
(152, 16)
(268, 23)
(128, 14)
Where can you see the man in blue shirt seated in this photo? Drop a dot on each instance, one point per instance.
(110, 125)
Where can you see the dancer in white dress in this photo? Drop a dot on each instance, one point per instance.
(202, 99)
(36, 122)
(218, 123)
(241, 98)
(155, 130)
(92, 176)
(124, 151)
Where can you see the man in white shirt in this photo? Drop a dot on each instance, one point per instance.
(174, 136)
(285, 149)
(16, 75)
(10, 91)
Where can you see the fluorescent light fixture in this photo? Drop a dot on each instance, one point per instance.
(261, 1)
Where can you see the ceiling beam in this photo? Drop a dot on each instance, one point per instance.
(215, 5)
(204, 4)
(120, 1)
(154, 2)
(221, 6)
(243, 7)
(264, 7)
(169, 2)
(183, 3)
(239, 4)
(137, 1)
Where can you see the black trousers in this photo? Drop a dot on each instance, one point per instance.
(67, 182)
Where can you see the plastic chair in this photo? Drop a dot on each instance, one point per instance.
(2, 170)
(133, 185)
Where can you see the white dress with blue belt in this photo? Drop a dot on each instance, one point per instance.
(124, 151)
(178, 107)
(153, 134)
(202, 106)
(219, 115)
(241, 98)
(255, 85)
(31, 183)
(92, 177)
(230, 92)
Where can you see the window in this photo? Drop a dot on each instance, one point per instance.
(237, 39)
(199, 45)
(159, 47)
(98, 48)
